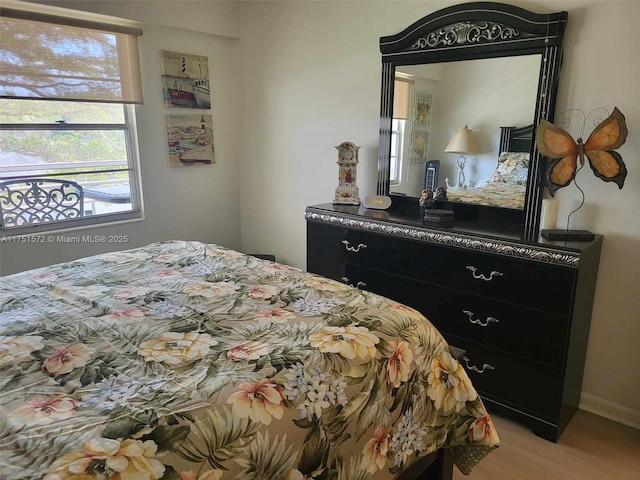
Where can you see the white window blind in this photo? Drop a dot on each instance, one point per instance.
(49, 57)
(401, 98)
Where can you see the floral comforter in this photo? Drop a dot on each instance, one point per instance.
(187, 361)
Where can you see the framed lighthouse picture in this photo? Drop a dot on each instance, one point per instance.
(185, 80)
(190, 140)
(347, 192)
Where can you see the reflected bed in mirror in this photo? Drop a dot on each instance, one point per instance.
(507, 185)
(484, 94)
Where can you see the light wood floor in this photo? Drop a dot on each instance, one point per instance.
(591, 448)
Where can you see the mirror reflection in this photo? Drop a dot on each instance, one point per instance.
(434, 103)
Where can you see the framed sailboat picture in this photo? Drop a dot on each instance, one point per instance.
(185, 80)
(190, 140)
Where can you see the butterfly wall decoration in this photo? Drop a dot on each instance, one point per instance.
(564, 152)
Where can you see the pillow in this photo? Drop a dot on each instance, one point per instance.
(513, 167)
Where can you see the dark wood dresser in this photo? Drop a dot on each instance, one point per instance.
(520, 309)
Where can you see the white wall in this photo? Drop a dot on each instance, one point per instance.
(607, 31)
(311, 73)
(194, 203)
(218, 17)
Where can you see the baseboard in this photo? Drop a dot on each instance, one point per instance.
(612, 411)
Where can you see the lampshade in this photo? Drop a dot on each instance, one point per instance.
(464, 141)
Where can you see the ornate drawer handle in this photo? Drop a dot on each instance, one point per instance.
(484, 367)
(348, 246)
(361, 284)
(478, 321)
(481, 276)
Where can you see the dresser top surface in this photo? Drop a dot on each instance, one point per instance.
(397, 217)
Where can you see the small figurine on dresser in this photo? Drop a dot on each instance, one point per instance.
(430, 214)
(347, 192)
(441, 194)
(426, 201)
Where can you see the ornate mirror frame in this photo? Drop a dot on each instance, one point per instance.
(473, 31)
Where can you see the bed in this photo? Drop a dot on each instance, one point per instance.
(508, 184)
(188, 361)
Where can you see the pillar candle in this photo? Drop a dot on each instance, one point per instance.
(549, 217)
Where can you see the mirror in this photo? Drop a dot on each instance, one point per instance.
(485, 65)
(484, 94)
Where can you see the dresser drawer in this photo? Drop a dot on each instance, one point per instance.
(522, 331)
(369, 250)
(536, 285)
(511, 380)
(391, 286)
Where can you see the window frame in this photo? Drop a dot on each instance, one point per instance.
(133, 167)
(125, 71)
(399, 153)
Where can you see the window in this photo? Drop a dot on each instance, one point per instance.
(68, 151)
(401, 90)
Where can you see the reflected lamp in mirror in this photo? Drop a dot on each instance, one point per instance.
(463, 143)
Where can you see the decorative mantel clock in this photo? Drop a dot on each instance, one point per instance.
(347, 192)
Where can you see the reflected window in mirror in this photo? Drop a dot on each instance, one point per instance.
(397, 146)
(402, 88)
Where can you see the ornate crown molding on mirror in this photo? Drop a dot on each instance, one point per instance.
(465, 40)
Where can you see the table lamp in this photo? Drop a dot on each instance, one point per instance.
(464, 143)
